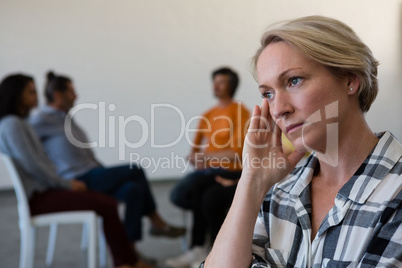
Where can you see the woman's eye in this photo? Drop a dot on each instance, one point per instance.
(294, 81)
(267, 95)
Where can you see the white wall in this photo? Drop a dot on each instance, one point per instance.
(137, 53)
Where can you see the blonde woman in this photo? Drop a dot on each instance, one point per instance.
(342, 208)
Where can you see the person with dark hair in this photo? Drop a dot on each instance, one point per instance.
(231, 76)
(47, 192)
(53, 82)
(128, 185)
(216, 155)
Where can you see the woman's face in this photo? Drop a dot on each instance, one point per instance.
(29, 98)
(305, 100)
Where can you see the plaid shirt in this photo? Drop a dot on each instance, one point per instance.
(363, 229)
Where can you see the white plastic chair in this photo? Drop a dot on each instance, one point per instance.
(103, 253)
(28, 223)
(84, 242)
(101, 242)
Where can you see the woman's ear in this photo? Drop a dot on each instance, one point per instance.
(353, 83)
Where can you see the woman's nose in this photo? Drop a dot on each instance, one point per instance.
(281, 105)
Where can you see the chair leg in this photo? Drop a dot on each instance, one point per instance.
(92, 233)
(102, 244)
(51, 244)
(84, 237)
(29, 249)
(25, 247)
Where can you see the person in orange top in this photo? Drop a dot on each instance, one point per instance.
(217, 157)
(220, 137)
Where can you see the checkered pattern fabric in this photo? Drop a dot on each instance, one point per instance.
(363, 229)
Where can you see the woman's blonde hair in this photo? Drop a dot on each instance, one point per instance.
(332, 44)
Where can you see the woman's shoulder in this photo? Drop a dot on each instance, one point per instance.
(12, 121)
(11, 126)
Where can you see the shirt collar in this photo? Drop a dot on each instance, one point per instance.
(361, 185)
(299, 178)
(377, 165)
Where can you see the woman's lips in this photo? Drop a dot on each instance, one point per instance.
(293, 127)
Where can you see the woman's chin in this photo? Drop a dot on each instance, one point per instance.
(306, 144)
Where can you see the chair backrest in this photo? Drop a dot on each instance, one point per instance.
(23, 206)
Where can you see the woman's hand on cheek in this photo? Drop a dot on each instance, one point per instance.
(264, 162)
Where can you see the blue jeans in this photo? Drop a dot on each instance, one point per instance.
(195, 192)
(128, 185)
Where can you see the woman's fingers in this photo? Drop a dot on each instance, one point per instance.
(264, 118)
(255, 119)
(261, 118)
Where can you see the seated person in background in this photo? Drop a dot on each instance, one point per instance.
(216, 155)
(216, 201)
(343, 207)
(46, 191)
(128, 185)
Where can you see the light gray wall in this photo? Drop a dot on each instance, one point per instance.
(137, 53)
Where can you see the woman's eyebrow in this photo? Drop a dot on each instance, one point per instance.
(284, 73)
(280, 77)
(264, 87)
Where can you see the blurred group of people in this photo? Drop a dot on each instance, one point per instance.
(59, 176)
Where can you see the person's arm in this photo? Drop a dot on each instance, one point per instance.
(197, 142)
(204, 125)
(195, 151)
(21, 143)
(240, 126)
(198, 146)
(233, 245)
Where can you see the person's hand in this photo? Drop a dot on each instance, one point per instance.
(197, 160)
(264, 162)
(142, 264)
(191, 158)
(225, 182)
(78, 186)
